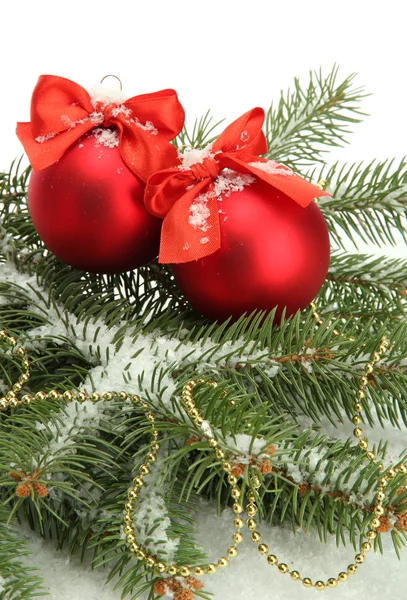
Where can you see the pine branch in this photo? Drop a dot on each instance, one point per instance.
(369, 202)
(305, 122)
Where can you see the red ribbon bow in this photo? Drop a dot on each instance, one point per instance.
(172, 192)
(62, 111)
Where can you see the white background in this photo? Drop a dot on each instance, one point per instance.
(227, 55)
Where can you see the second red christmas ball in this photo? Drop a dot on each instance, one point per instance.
(88, 208)
(273, 253)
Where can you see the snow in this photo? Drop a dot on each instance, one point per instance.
(193, 156)
(106, 137)
(273, 168)
(227, 182)
(248, 577)
(107, 94)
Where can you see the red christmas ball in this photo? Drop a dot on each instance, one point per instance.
(273, 253)
(88, 208)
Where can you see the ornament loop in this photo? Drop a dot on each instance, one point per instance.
(116, 77)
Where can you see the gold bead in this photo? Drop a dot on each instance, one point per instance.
(251, 496)
(41, 396)
(295, 575)
(256, 537)
(375, 523)
(67, 396)
(363, 381)
(358, 432)
(108, 396)
(132, 494)
(194, 413)
(199, 420)
(235, 493)
(12, 341)
(360, 558)
(402, 469)
(172, 570)
(332, 582)
(220, 454)
(356, 420)
(17, 387)
(150, 561)
(134, 547)
(140, 554)
(371, 534)
(130, 538)
(123, 395)
(369, 368)
(237, 537)
(151, 457)
(81, 397)
(272, 559)
(320, 586)
(376, 357)
(3, 404)
(283, 568)
(184, 571)
(160, 567)
(155, 447)
(232, 552)
(378, 510)
(211, 568)
(251, 510)
(212, 442)
(26, 399)
(391, 473)
(251, 524)
(138, 482)
(14, 402)
(95, 397)
(237, 508)
(343, 576)
(238, 523)
(352, 569)
(263, 548)
(255, 482)
(357, 407)
(127, 518)
(227, 467)
(232, 480)
(383, 482)
(144, 470)
(150, 417)
(25, 377)
(199, 571)
(128, 529)
(128, 506)
(307, 582)
(366, 547)
(223, 562)
(134, 399)
(363, 445)
(53, 395)
(371, 456)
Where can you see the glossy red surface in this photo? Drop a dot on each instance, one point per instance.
(88, 210)
(273, 253)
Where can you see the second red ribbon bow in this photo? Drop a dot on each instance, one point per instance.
(185, 196)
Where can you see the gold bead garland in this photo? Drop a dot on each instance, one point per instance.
(11, 400)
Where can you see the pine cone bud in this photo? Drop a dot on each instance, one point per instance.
(23, 490)
(40, 489)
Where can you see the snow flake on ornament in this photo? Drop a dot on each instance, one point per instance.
(227, 182)
(273, 168)
(194, 156)
(106, 137)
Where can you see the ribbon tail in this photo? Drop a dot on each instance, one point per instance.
(190, 230)
(286, 181)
